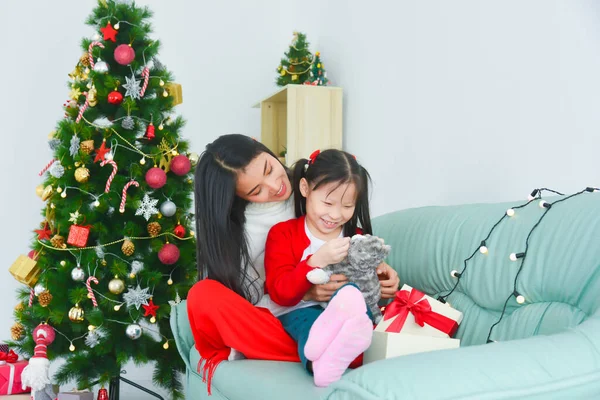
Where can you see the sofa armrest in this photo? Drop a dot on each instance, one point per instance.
(565, 365)
(182, 332)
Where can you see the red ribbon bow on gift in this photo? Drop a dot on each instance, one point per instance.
(413, 302)
(10, 357)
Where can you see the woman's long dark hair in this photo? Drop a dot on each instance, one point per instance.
(222, 247)
(335, 166)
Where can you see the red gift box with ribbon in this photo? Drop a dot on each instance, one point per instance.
(78, 235)
(414, 312)
(10, 374)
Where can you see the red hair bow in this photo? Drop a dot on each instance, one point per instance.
(313, 156)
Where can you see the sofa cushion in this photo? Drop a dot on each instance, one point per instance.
(265, 380)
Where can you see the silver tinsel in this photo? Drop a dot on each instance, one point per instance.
(133, 87)
(95, 336)
(128, 123)
(147, 207)
(56, 169)
(137, 297)
(111, 211)
(157, 64)
(102, 123)
(100, 251)
(53, 144)
(74, 149)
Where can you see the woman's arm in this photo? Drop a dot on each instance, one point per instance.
(286, 281)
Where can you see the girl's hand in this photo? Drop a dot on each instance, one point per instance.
(331, 252)
(324, 292)
(388, 279)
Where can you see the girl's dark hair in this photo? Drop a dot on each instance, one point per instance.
(222, 247)
(336, 166)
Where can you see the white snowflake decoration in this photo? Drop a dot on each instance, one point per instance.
(177, 300)
(100, 251)
(137, 297)
(74, 217)
(136, 266)
(147, 207)
(57, 170)
(102, 123)
(133, 87)
(74, 149)
(95, 336)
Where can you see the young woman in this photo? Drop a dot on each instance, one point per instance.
(241, 191)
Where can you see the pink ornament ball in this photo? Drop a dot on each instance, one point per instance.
(45, 331)
(169, 254)
(124, 54)
(180, 165)
(156, 178)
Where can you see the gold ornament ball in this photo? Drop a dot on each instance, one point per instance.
(193, 157)
(116, 286)
(82, 174)
(128, 247)
(39, 190)
(76, 314)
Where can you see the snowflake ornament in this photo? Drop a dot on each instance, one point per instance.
(74, 217)
(147, 207)
(133, 87)
(95, 336)
(74, 149)
(137, 297)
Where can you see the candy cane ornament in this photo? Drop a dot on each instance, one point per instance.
(89, 289)
(31, 295)
(124, 196)
(47, 167)
(146, 75)
(83, 108)
(112, 175)
(90, 48)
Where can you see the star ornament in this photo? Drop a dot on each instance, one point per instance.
(101, 152)
(44, 233)
(133, 87)
(75, 93)
(74, 217)
(137, 297)
(109, 32)
(150, 309)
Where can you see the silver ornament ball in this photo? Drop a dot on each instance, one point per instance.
(193, 158)
(168, 208)
(39, 288)
(101, 67)
(133, 331)
(77, 274)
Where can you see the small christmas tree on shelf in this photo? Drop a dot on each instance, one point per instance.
(114, 249)
(295, 67)
(318, 75)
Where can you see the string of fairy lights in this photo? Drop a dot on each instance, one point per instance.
(518, 256)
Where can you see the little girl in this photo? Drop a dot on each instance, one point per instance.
(331, 195)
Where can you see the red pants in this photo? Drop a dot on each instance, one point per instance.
(221, 320)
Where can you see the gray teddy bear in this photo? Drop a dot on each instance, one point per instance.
(366, 252)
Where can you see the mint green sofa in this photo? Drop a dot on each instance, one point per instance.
(545, 348)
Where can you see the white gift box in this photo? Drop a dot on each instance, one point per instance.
(388, 345)
(410, 326)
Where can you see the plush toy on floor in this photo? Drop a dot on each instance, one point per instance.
(360, 267)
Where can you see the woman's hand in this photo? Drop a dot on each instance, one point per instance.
(388, 279)
(325, 291)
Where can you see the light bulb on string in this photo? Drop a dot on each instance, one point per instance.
(545, 204)
(516, 256)
(455, 274)
(64, 194)
(510, 212)
(63, 263)
(153, 320)
(162, 83)
(117, 307)
(96, 203)
(91, 328)
(519, 297)
(161, 127)
(59, 190)
(165, 93)
(143, 161)
(72, 347)
(533, 195)
(483, 248)
(170, 281)
(166, 345)
(117, 25)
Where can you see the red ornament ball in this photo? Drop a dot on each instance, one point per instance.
(156, 178)
(179, 231)
(180, 165)
(169, 254)
(115, 98)
(124, 54)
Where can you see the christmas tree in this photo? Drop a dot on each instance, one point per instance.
(114, 249)
(295, 67)
(318, 75)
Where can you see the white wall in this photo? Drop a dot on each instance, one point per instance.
(445, 102)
